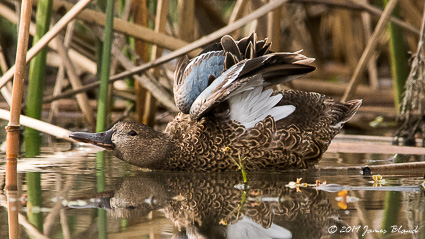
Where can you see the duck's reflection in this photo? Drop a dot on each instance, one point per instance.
(213, 206)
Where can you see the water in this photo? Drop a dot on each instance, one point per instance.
(71, 193)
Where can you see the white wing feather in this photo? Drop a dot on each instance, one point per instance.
(250, 107)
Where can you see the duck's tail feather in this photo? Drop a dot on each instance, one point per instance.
(353, 107)
(342, 112)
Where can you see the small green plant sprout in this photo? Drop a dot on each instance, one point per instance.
(241, 166)
(378, 180)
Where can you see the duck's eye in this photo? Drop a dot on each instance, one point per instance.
(132, 133)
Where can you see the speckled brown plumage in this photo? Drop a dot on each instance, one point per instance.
(289, 143)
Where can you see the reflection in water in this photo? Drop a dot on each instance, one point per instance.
(100, 182)
(181, 205)
(204, 205)
(13, 207)
(32, 140)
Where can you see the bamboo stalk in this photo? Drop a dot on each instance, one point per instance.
(105, 68)
(46, 38)
(368, 52)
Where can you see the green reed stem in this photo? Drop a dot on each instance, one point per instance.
(399, 59)
(105, 68)
(36, 79)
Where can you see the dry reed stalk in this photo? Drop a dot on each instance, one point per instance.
(150, 107)
(204, 40)
(236, 14)
(82, 98)
(330, 88)
(5, 91)
(369, 50)
(184, 50)
(82, 61)
(13, 207)
(147, 81)
(127, 28)
(208, 18)
(373, 148)
(30, 229)
(12, 138)
(39, 125)
(61, 193)
(186, 9)
(375, 169)
(237, 11)
(414, 13)
(54, 109)
(411, 14)
(301, 37)
(47, 37)
(143, 97)
(120, 40)
(273, 27)
(371, 68)
(359, 6)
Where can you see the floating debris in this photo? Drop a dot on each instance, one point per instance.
(343, 199)
(378, 180)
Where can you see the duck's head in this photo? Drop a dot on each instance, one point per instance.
(132, 142)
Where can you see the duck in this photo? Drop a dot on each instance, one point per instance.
(230, 112)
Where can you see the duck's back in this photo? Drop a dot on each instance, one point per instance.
(214, 142)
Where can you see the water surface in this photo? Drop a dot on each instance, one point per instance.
(76, 192)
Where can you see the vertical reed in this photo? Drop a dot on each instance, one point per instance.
(105, 68)
(399, 59)
(36, 77)
(12, 139)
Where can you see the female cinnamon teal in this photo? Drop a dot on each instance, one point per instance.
(229, 112)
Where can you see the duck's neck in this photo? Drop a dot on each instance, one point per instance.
(156, 154)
